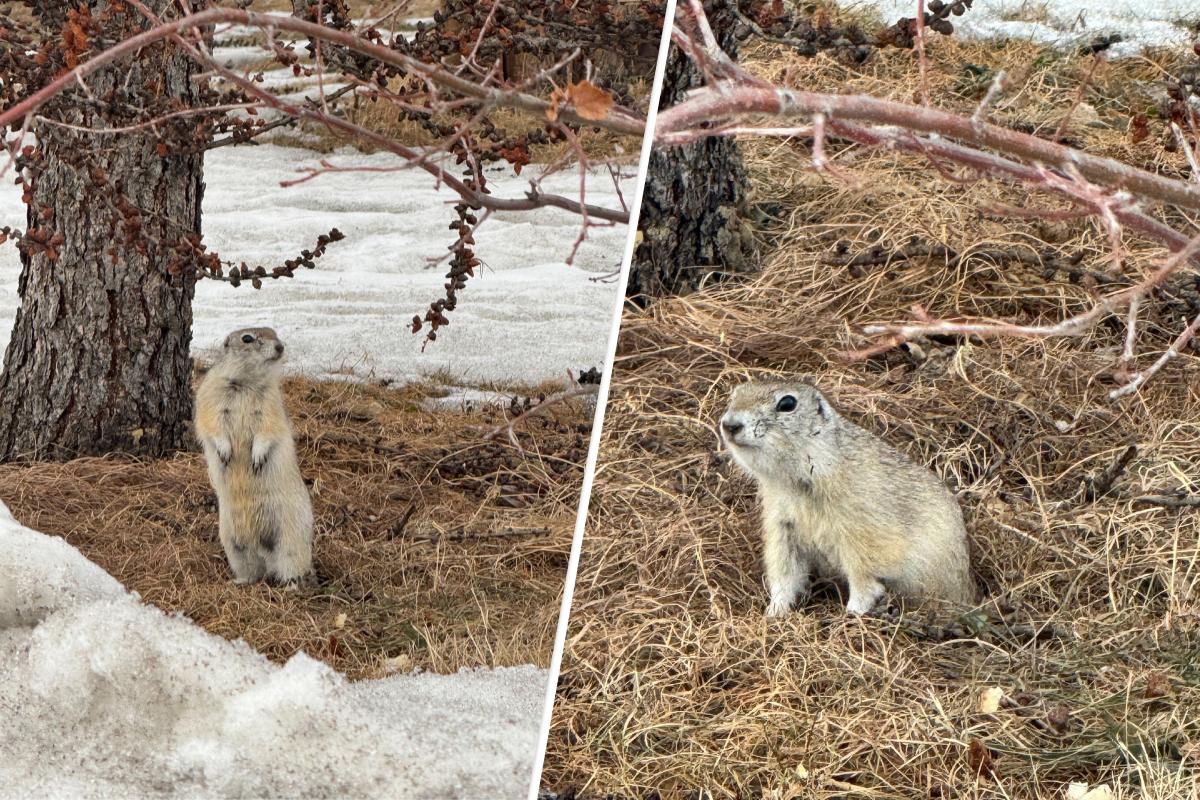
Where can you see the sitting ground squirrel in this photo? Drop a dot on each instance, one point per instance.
(266, 518)
(839, 499)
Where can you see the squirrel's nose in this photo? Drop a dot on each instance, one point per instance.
(279, 347)
(731, 427)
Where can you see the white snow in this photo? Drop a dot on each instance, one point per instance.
(465, 399)
(102, 696)
(43, 574)
(525, 318)
(1067, 23)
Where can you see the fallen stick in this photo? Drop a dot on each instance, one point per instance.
(507, 427)
(1169, 501)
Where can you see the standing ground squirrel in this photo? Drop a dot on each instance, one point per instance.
(838, 498)
(265, 513)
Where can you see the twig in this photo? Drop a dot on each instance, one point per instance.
(1169, 501)
(984, 629)
(1173, 351)
(876, 256)
(1187, 151)
(397, 530)
(507, 427)
(1062, 125)
(1102, 484)
(1071, 326)
(355, 441)
(922, 62)
(462, 534)
(999, 84)
(483, 29)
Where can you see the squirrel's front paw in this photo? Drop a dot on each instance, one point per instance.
(224, 449)
(866, 604)
(260, 453)
(857, 609)
(864, 594)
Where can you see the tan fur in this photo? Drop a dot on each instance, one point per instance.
(838, 499)
(266, 517)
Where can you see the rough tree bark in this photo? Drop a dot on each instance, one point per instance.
(695, 217)
(98, 360)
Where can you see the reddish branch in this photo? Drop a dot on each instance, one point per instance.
(1102, 187)
(1171, 352)
(989, 164)
(725, 102)
(618, 120)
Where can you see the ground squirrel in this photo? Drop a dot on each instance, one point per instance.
(837, 498)
(266, 516)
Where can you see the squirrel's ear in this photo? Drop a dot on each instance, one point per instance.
(823, 408)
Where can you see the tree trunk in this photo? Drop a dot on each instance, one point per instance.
(98, 360)
(694, 218)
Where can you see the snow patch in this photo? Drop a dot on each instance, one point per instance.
(105, 697)
(527, 317)
(466, 399)
(40, 575)
(1068, 23)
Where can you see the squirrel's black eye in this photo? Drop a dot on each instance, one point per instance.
(786, 403)
(247, 338)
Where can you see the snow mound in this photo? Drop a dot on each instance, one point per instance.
(1068, 23)
(105, 697)
(42, 574)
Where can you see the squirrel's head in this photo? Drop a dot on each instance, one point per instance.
(774, 429)
(253, 348)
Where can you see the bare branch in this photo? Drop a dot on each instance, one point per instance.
(554, 399)
(1071, 326)
(1173, 351)
(998, 86)
(922, 62)
(1188, 152)
(726, 101)
(618, 121)
(474, 197)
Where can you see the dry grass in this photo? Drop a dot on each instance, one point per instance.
(673, 683)
(434, 549)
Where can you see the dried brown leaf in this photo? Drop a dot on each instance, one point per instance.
(979, 758)
(590, 101)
